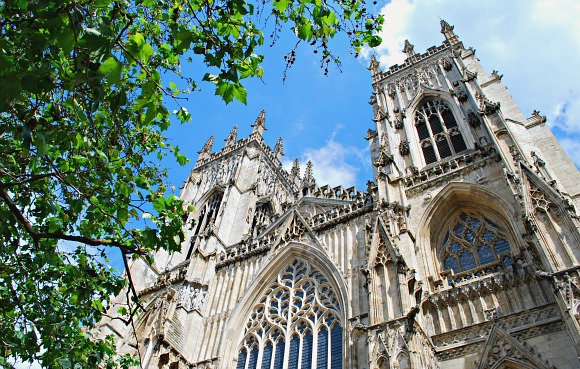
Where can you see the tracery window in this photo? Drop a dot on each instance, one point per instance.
(295, 325)
(206, 218)
(438, 133)
(262, 217)
(474, 241)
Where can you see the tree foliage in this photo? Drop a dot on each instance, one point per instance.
(83, 92)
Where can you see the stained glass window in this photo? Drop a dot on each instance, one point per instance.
(438, 133)
(473, 241)
(301, 304)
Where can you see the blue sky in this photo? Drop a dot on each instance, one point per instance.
(533, 43)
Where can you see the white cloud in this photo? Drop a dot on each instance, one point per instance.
(333, 164)
(533, 43)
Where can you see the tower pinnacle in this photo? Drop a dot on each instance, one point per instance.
(205, 151)
(233, 137)
(279, 149)
(260, 125)
(447, 31)
(409, 49)
(375, 66)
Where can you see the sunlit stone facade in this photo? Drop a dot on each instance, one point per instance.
(462, 252)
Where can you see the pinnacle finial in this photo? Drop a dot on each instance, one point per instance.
(295, 171)
(232, 137)
(375, 66)
(259, 125)
(409, 49)
(279, 149)
(447, 31)
(205, 151)
(308, 174)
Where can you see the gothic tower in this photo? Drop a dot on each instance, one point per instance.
(462, 253)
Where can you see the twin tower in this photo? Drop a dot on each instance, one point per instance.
(462, 252)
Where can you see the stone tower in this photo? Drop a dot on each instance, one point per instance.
(462, 253)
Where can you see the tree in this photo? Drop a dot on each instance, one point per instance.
(82, 91)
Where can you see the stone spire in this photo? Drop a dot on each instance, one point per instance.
(260, 125)
(279, 149)
(205, 151)
(232, 138)
(308, 179)
(375, 66)
(447, 31)
(409, 49)
(295, 171)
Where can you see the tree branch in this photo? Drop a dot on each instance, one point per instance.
(36, 236)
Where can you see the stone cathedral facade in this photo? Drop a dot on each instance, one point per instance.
(462, 252)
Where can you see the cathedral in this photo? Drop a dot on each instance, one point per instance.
(462, 252)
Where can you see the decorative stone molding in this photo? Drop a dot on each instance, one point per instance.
(486, 107)
(521, 326)
(445, 170)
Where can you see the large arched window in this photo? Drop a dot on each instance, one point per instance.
(438, 133)
(472, 242)
(295, 325)
(206, 218)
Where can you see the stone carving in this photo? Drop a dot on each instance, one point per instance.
(473, 119)
(192, 297)
(468, 75)
(446, 65)
(398, 118)
(404, 148)
(458, 92)
(486, 107)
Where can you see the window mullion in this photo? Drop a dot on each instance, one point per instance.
(431, 136)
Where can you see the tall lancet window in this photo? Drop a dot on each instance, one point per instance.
(262, 217)
(295, 325)
(474, 242)
(438, 133)
(206, 218)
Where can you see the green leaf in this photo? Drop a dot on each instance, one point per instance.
(304, 31)
(281, 5)
(40, 143)
(111, 69)
(26, 141)
(64, 362)
(141, 183)
(240, 93)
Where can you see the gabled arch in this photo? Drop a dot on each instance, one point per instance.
(380, 237)
(454, 197)
(234, 328)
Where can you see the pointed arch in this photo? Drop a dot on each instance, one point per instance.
(438, 126)
(209, 208)
(266, 277)
(454, 198)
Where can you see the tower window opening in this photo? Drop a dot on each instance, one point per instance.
(437, 130)
(206, 218)
(473, 241)
(262, 217)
